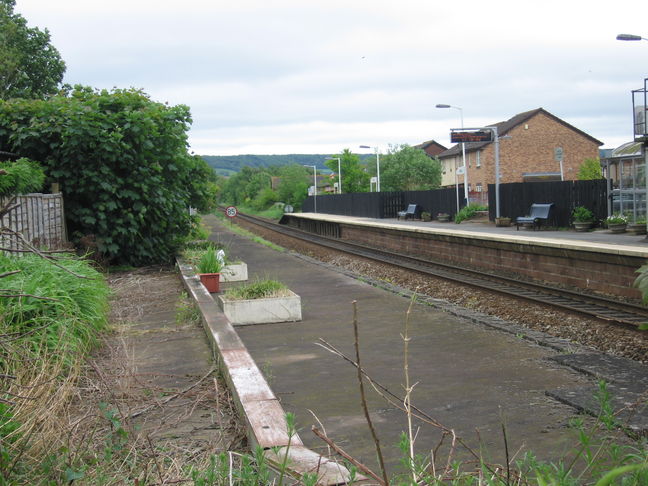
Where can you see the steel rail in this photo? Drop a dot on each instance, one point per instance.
(600, 307)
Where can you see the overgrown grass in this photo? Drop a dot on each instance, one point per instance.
(52, 315)
(248, 234)
(273, 212)
(260, 289)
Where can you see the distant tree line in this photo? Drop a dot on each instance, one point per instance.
(403, 168)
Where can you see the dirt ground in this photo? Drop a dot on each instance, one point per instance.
(154, 379)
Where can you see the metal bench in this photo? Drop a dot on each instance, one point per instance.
(412, 211)
(538, 214)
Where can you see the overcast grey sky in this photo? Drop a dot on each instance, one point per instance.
(318, 76)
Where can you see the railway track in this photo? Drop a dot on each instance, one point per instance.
(599, 307)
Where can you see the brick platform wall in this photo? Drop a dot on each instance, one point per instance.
(602, 273)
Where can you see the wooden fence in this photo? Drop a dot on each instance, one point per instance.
(39, 218)
(383, 204)
(515, 200)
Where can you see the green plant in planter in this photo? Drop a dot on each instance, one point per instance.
(425, 216)
(260, 289)
(616, 218)
(581, 214)
(210, 262)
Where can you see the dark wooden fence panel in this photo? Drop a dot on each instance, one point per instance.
(384, 204)
(516, 198)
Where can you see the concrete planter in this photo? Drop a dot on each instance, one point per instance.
(234, 272)
(503, 222)
(260, 311)
(582, 225)
(636, 228)
(617, 227)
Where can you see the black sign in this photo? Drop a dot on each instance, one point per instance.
(465, 137)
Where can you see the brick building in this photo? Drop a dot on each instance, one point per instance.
(432, 148)
(528, 155)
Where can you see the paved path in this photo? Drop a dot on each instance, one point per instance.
(469, 376)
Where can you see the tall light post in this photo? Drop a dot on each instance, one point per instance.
(339, 173)
(314, 185)
(463, 155)
(377, 166)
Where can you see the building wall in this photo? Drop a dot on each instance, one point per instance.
(531, 149)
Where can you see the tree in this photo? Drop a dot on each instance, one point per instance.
(354, 176)
(122, 163)
(293, 185)
(590, 169)
(30, 67)
(406, 168)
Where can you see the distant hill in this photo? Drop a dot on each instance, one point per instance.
(228, 164)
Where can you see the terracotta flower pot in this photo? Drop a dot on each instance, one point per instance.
(211, 281)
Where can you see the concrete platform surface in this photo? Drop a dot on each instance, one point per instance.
(599, 240)
(469, 377)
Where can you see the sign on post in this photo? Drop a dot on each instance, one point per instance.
(474, 136)
(231, 212)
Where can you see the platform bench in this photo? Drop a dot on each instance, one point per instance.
(538, 214)
(412, 211)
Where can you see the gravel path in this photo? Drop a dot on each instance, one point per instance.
(608, 338)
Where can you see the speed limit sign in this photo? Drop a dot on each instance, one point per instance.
(231, 212)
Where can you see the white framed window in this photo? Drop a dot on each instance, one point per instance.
(478, 187)
(478, 158)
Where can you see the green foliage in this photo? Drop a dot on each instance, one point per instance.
(617, 218)
(210, 262)
(260, 289)
(21, 177)
(582, 215)
(468, 212)
(354, 176)
(251, 187)
(229, 164)
(30, 67)
(590, 169)
(122, 162)
(72, 315)
(406, 168)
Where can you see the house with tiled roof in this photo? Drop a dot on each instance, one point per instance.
(530, 147)
(432, 148)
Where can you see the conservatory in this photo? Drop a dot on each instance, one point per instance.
(625, 171)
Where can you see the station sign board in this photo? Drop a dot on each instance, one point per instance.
(474, 136)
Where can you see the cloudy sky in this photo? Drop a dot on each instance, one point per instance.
(317, 76)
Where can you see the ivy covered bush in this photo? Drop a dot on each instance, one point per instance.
(122, 163)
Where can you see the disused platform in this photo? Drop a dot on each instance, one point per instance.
(472, 371)
(597, 260)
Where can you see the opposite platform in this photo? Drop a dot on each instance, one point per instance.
(597, 261)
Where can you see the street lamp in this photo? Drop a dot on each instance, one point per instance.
(339, 173)
(629, 37)
(463, 156)
(314, 185)
(377, 166)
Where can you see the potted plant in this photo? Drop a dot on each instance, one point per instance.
(209, 267)
(616, 223)
(425, 216)
(443, 217)
(583, 218)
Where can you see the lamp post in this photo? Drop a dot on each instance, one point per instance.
(377, 166)
(339, 173)
(314, 186)
(463, 156)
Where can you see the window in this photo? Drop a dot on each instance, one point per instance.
(478, 161)
(479, 187)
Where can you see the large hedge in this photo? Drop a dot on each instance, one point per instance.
(122, 163)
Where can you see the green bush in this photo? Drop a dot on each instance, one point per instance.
(468, 212)
(582, 215)
(20, 177)
(122, 163)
